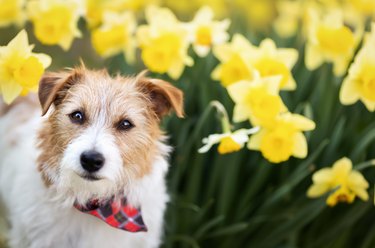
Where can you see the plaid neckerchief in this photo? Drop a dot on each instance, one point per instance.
(117, 214)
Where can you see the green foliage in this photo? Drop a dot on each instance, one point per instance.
(241, 200)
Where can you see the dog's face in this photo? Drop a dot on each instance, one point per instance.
(102, 133)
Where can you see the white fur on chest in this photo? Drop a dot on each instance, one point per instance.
(37, 217)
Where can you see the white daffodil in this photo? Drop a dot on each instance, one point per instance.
(229, 141)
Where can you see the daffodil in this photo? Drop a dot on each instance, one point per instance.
(115, 35)
(186, 7)
(20, 68)
(365, 7)
(205, 32)
(11, 11)
(257, 100)
(234, 60)
(269, 60)
(360, 82)
(55, 21)
(289, 15)
(329, 40)
(228, 142)
(284, 139)
(259, 13)
(96, 9)
(164, 42)
(346, 182)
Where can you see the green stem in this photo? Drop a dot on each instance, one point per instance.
(365, 165)
(223, 115)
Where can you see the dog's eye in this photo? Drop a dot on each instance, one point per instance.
(125, 125)
(77, 117)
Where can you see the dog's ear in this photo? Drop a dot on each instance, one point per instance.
(53, 87)
(164, 96)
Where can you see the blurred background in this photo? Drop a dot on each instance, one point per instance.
(322, 54)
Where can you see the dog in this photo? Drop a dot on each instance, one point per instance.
(90, 172)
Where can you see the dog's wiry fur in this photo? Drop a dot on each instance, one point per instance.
(40, 171)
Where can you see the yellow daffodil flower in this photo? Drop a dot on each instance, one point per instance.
(348, 183)
(234, 60)
(257, 100)
(269, 60)
(259, 13)
(164, 42)
(360, 82)
(284, 139)
(20, 69)
(330, 40)
(55, 21)
(11, 11)
(289, 15)
(96, 9)
(228, 142)
(115, 35)
(186, 7)
(205, 32)
(365, 7)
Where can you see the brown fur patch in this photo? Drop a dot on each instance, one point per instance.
(163, 95)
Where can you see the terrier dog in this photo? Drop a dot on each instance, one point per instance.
(89, 172)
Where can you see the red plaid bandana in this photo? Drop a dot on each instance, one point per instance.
(119, 215)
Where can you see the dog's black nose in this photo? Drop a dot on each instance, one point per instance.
(92, 161)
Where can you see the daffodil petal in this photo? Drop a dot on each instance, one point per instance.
(10, 90)
(204, 14)
(323, 176)
(176, 70)
(21, 43)
(289, 56)
(290, 85)
(143, 36)
(268, 47)
(201, 51)
(361, 193)
(339, 67)
(348, 92)
(272, 83)
(342, 166)
(370, 105)
(255, 140)
(205, 148)
(240, 113)
(223, 52)
(65, 42)
(241, 136)
(302, 123)
(242, 43)
(300, 145)
(356, 179)
(211, 140)
(215, 75)
(236, 91)
(317, 190)
(44, 59)
(313, 57)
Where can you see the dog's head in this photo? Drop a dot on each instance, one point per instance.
(102, 133)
